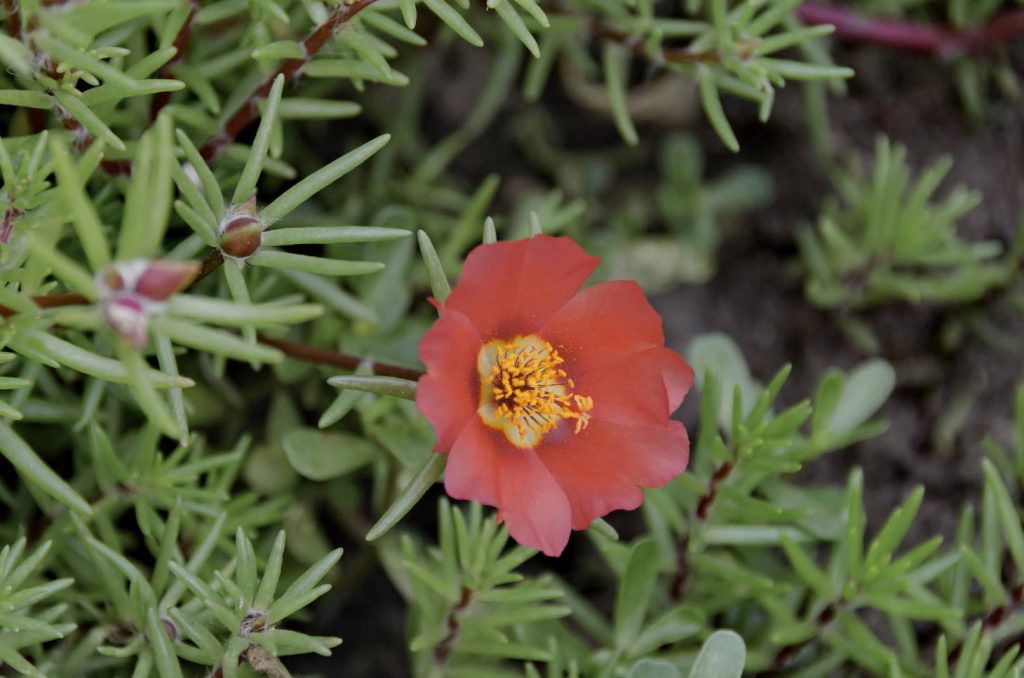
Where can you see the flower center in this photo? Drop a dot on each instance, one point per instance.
(524, 392)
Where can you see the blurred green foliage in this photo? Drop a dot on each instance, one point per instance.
(891, 239)
(172, 506)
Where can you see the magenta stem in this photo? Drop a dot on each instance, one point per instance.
(938, 40)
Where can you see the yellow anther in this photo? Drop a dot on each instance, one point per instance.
(525, 392)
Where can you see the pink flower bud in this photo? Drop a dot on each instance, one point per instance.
(241, 236)
(128, 318)
(170, 627)
(164, 277)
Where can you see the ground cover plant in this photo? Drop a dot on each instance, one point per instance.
(518, 338)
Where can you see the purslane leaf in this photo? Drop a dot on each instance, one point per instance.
(310, 185)
(34, 469)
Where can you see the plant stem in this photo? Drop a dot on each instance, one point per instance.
(161, 99)
(907, 35)
(11, 8)
(50, 301)
(786, 653)
(293, 349)
(324, 356)
(444, 648)
(915, 37)
(211, 263)
(682, 574)
(8, 224)
(636, 44)
(992, 619)
(314, 41)
(249, 110)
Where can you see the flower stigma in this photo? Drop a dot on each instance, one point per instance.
(524, 391)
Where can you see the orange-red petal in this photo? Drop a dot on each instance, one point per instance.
(613, 344)
(483, 467)
(678, 376)
(449, 393)
(513, 287)
(603, 468)
(604, 321)
(641, 388)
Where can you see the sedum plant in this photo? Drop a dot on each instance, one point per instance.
(255, 307)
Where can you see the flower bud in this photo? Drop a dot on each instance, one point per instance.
(113, 279)
(164, 277)
(119, 277)
(127, 317)
(241, 236)
(170, 627)
(254, 622)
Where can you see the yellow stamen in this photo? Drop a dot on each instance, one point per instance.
(525, 392)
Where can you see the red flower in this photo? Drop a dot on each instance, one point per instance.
(552, 402)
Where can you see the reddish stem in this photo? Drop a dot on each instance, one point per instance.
(942, 41)
(786, 653)
(161, 99)
(329, 358)
(13, 18)
(8, 225)
(117, 168)
(249, 111)
(704, 504)
(53, 301)
(211, 263)
(50, 301)
(636, 45)
(992, 620)
(36, 120)
(292, 349)
(444, 648)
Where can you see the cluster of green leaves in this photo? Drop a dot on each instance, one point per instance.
(728, 544)
(472, 613)
(158, 587)
(726, 46)
(155, 488)
(28, 617)
(968, 594)
(732, 543)
(73, 66)
(466, 599)
(890, 239)
(178, 324)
